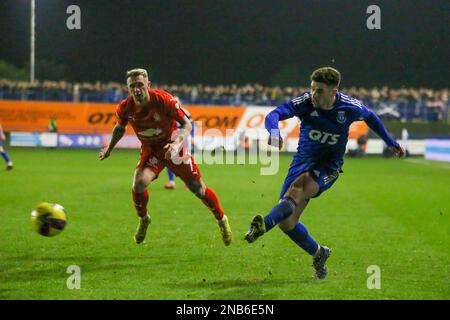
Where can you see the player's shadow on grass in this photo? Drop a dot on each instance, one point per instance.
(247, 289)
(12, 268)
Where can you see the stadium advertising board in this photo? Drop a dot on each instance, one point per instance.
(437, 149)
(33, 139)
(215, 126)
(80, 141)
(98, 118)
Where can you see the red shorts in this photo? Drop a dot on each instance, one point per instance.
(183, 166)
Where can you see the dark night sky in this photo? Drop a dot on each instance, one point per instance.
(233, 41)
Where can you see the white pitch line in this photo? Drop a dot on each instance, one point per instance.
(432, 163)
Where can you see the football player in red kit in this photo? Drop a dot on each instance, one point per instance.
(153, 115)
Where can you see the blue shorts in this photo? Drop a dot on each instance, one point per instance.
(325, 175)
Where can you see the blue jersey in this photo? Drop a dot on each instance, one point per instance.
(1, 136)
(324, 133)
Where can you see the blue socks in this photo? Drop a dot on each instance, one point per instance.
(171, 175)
(299, 234)
(5, 156)
(303, 239)
(280, 212)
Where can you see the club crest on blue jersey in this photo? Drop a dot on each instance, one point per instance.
(341, 117)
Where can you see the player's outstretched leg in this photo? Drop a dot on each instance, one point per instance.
(303, 188)
(209, 199)
(300, 235)
(260, 225)
(142, 177)
(140, 203)
(190, 174)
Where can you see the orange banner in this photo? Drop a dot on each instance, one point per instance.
(221, 118)
(98, 118)
(33, 116)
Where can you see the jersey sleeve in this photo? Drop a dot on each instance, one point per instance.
(173, 107)
(285, 111)
(362, 112)
(374, 123)
(120, 113)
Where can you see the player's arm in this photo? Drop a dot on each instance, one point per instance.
(175, 111)
(185, 130)
(118, 131)
(117, 134)
(374, 123)
(182, 134)
(282, 112)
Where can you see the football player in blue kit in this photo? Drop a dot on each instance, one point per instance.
(9, 163)
(326, 115)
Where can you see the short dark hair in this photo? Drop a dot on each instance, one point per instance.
(328, 75)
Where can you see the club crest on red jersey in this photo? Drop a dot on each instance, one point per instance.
(153, 162)
(156, 117)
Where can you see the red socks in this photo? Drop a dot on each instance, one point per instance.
(212, 202)
(209, 199)
(140, 202)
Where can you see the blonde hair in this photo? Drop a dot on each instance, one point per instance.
(137, 72)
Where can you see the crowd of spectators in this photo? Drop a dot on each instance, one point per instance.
(400, 103)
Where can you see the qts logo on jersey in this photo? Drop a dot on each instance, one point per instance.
(324, 137)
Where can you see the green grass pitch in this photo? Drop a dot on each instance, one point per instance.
(391, 213)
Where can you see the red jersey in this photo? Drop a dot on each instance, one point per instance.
(154, 121)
